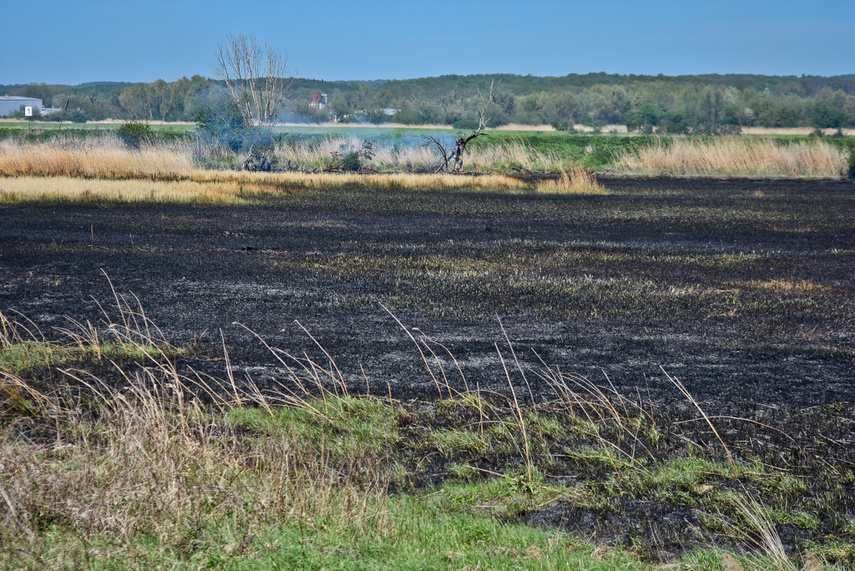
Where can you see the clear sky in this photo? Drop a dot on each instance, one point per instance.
(74, 42)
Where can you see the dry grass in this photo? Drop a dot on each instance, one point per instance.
(106, 159)
(577, 181)
(316, 156)
(735, 157)
(147, 468)
(28, 189)
(786, 285)
(108, 171)
(514, 155)
(230, 187)
(803, 131)
(150, 464)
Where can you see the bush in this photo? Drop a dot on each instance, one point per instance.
(134, 134)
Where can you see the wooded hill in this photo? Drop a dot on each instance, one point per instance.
(674, 104)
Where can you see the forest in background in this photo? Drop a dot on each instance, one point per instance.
(696, 104)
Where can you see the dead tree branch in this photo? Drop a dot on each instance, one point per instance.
(461, 142)
(440, 146)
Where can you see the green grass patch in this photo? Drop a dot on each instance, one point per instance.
(26, 355)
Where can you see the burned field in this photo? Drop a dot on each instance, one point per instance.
(741, 290)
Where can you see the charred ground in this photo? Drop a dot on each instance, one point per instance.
(743, 290)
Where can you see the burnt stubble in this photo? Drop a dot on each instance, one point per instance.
(742, 289)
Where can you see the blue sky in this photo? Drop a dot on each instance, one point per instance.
(73, 42)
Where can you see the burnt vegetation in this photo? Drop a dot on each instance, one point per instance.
(662, 367)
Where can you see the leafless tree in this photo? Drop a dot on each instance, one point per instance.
(256, 78)
(460, 142)
(441, 147)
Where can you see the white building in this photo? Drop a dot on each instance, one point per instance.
(11, 103)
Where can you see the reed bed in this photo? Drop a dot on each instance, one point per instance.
(103, 159)
(734, 157)
(576, 181)
(415, 156)
(404, 167)
(321, 155)
(515, 155)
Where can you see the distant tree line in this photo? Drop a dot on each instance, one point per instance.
(684, 104)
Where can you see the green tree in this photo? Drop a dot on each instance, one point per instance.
(829, 109)
(39, 91)
(136, 101)
(563, 110)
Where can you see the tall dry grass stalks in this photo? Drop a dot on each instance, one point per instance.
(317, 155)
(63, 188)
(147, 468)
(514, 154)
(231, 187)
(576, 181)
(415, 157)
(104, 159)
(734, 157)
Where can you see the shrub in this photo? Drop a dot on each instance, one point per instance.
(134, 134)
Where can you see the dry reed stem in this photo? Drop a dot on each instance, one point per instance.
(104, 161)
(577, 181)
(763, 533)
(735, 157)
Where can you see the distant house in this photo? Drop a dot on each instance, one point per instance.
(11, 103)
(320, 100)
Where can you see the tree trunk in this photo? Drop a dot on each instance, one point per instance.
(459, 147)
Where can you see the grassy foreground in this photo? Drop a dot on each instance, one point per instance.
(114, 456)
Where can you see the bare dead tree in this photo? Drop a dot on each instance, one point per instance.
(256, 78)
(460, 142)
(440, 146)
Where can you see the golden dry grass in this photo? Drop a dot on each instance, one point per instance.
(735, 157)
(28, 189)
(91, 161)
(577, 181)
(107, 171)
(791, 131)
(229, 187)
